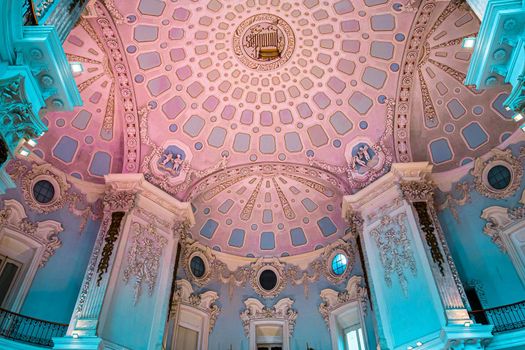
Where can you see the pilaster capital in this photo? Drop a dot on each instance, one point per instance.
(422, 190)
(127, 191)
(409, 181)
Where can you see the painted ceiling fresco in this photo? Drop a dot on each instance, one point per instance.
(264, 113)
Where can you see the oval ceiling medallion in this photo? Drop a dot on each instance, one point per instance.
(263, 42)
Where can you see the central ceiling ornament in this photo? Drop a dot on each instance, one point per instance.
(263, 42)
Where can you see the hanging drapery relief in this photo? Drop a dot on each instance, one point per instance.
(143, 259)
(395, 251)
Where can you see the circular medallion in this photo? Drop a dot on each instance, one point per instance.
(263, 42)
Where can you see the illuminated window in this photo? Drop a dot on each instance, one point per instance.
(354, 339)
(43, 191)
(499, 177)
(339, 263)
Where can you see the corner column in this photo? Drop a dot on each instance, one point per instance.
(417, 296)
(124, 298)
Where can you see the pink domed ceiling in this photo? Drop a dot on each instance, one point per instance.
(264, 113)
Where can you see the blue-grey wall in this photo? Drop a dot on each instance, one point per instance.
(309, 327)
(55, 288)
(475, 255)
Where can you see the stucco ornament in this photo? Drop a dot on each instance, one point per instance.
(500, 219)
(501, 158)
(332, 299)
(256, 311)
(45, 233)
(144, 258)
(394, 247)
(205, 302)
(216, 270)
(64, 193)
(273, 264)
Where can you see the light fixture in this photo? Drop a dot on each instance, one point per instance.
(419, 343)
(75, 335)
(522, 127)
(23, 152)
(31, 142)
(409, 348)
(76, 67)
(468, 43)
(468, 323)
(507, 108)
(517, 117)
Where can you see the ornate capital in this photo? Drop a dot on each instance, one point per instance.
(417, 190)
(119, 200)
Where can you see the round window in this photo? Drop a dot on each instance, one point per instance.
(339, 263)
(268, 280)
(43, 191)
(197, 266)
(499, 177)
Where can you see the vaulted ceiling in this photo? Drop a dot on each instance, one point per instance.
(265, 113)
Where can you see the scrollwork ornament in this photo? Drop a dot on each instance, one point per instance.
(256, 311)
(205, 302)
(332, 299)
(482, 168)
(417, 190)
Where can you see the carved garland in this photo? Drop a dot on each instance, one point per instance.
(394, 247)
(144, 258)
(286, 273)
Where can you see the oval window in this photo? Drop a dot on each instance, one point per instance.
(268, 280)
(499, 177)
(43, 191)
(339, 263)
(197, 266)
